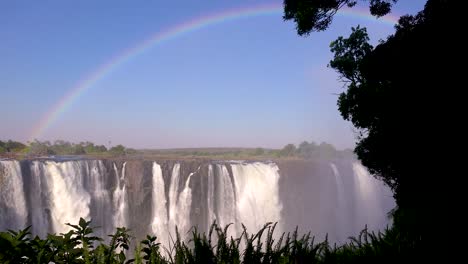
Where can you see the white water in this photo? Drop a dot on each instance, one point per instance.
(173, 195)
(13, 211)
(257, 195)
(222, 205)
(369, 196)
(159, 222)
(119, 199)
(101, 198)
(340, 219)
(226, 200)
(179, 206)
(62, 192)
(38, 188)
(183, 208)
(210, 197)
(68, 198)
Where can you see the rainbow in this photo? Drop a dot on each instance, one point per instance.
(161, 37)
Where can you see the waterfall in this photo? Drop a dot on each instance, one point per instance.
(183, 208)
(370, 192)
(13, 211)
(257, 195)
(173, 195)
(221, 203)
(210, 197)
(226, 209)
(120, 198)
(159, 222)
(68, 198)
(101, 204)
(340, 210)
(39, 196)
(339, 186)
(334, 198)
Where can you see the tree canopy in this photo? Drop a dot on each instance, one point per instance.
(11, 146)
(394, 94)
(317, 15)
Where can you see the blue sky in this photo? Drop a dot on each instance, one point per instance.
(248, 82)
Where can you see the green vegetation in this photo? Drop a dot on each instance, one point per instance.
(80, 246)
(60, 147)
(11, 146)
(305, 150)
(317, 15)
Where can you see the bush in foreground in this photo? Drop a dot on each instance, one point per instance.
(80, 246)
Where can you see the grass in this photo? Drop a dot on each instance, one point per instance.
(80, 246)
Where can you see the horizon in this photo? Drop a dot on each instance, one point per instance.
(242, 83)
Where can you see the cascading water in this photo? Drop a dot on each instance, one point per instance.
(159, 223)
(173, 197)
(221, 199)
(119, 198)
(13, 211)
(369, 192)
(226, 209)
(339, 185)
(39, 197)
(210, 197)
(100, 205)
(340, 219)
(69, 200)
(155, 197)
(257, 194)
(183, 208)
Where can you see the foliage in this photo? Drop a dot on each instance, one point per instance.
(394, 96)
(40, 148)
(259, 151)
(11, 146)
(389, 100)
(312, 150)
(79, 246)
(117, 150)
(60, 147)
(288, 150)
(317, 15)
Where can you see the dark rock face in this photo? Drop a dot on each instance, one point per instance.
(337, 197)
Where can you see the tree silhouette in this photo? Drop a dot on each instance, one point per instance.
(317, 15)
(395, 97)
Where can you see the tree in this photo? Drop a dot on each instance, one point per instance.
(78, 150)
(117, 150)
(288, 150)
(40, 148)
(101, 148)
(259, 151)
(317, 15)
(307, 150)
(390, 101)
(11, 146)
(395, 96)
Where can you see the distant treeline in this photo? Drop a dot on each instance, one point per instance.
(305, 150)
(59, 147)
(312, 150)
